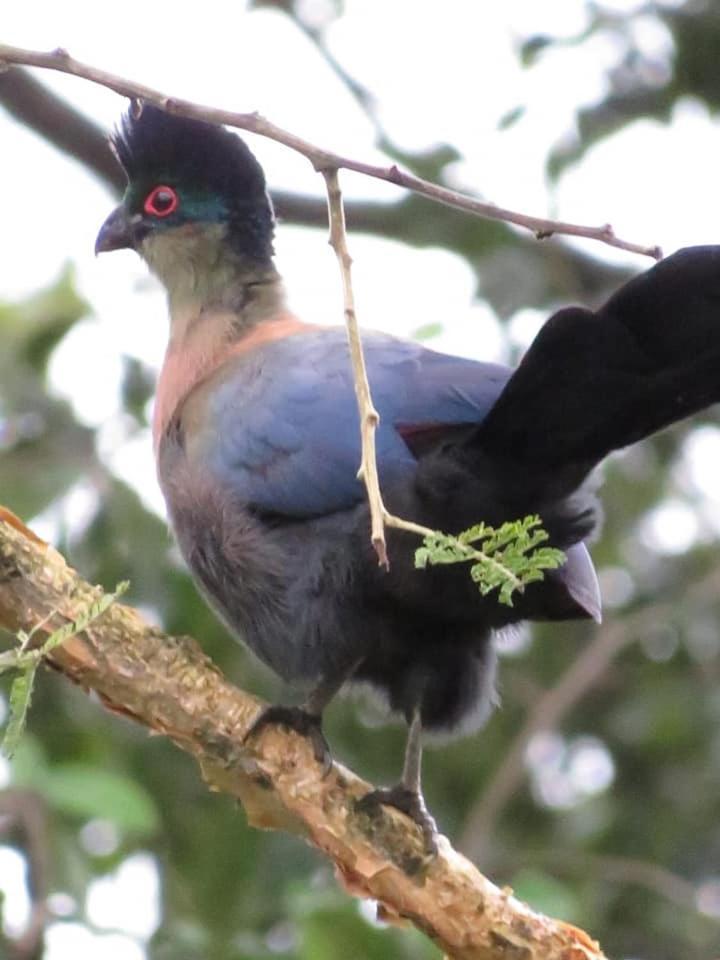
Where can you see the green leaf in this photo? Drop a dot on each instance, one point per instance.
(546, 894)
(27, 661)
(18, 705)
(506, 559)
(33, 327)
(29, 764)
(427, 331)
(84, 790)
(92, 612)
(511, 117)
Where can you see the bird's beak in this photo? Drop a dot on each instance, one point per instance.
(116, 233)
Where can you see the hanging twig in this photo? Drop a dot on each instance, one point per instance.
(369, 418)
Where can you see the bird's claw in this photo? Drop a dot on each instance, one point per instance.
(306, 724)
(407, 801)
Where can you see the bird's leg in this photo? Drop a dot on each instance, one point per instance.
(305, 719)
(407, 796)
(412, 761)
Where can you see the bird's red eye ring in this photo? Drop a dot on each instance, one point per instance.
(161, 201)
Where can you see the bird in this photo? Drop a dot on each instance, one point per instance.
(256, 435)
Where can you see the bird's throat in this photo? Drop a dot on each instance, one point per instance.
(220, 305)
(200, 269)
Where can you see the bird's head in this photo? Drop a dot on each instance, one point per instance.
(195, 193)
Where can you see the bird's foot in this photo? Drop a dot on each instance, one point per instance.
(407, 801)
(306, 724)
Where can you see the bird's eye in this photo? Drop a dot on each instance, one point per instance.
(161, 201)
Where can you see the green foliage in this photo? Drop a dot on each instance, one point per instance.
(18, 705)
(506, 559)
(26, 661)
(326, 924)
(84, 791)
(427, 331)
(44, 450)
(32, 328)
(547, 894)
(652, 84)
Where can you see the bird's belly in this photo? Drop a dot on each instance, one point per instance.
(277, 587)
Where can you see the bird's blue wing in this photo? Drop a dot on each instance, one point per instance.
(282, 426)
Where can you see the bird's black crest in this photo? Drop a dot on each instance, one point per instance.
(153, 145)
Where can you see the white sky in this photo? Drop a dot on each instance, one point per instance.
(442, 72)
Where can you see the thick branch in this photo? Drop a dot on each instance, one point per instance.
(29, 101)
(169, 685)
(321, 159)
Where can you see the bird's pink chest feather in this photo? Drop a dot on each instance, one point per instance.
(204, 348)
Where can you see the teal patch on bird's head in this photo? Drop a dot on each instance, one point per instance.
(182, 171)
(165, 202)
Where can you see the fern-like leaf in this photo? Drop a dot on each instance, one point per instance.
(505, 559)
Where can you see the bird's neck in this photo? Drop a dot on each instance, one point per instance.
(200, 270)
(221, 304)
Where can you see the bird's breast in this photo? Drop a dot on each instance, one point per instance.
(203, 342)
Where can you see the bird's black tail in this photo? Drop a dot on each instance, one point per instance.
(595, 382)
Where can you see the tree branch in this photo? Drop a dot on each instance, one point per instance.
(29, 101)
(320, 158)
(170, 686)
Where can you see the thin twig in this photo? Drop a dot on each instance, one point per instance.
(369, 417)
(380, 517)
(549, 710)
(168, 684)
(320, 158)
